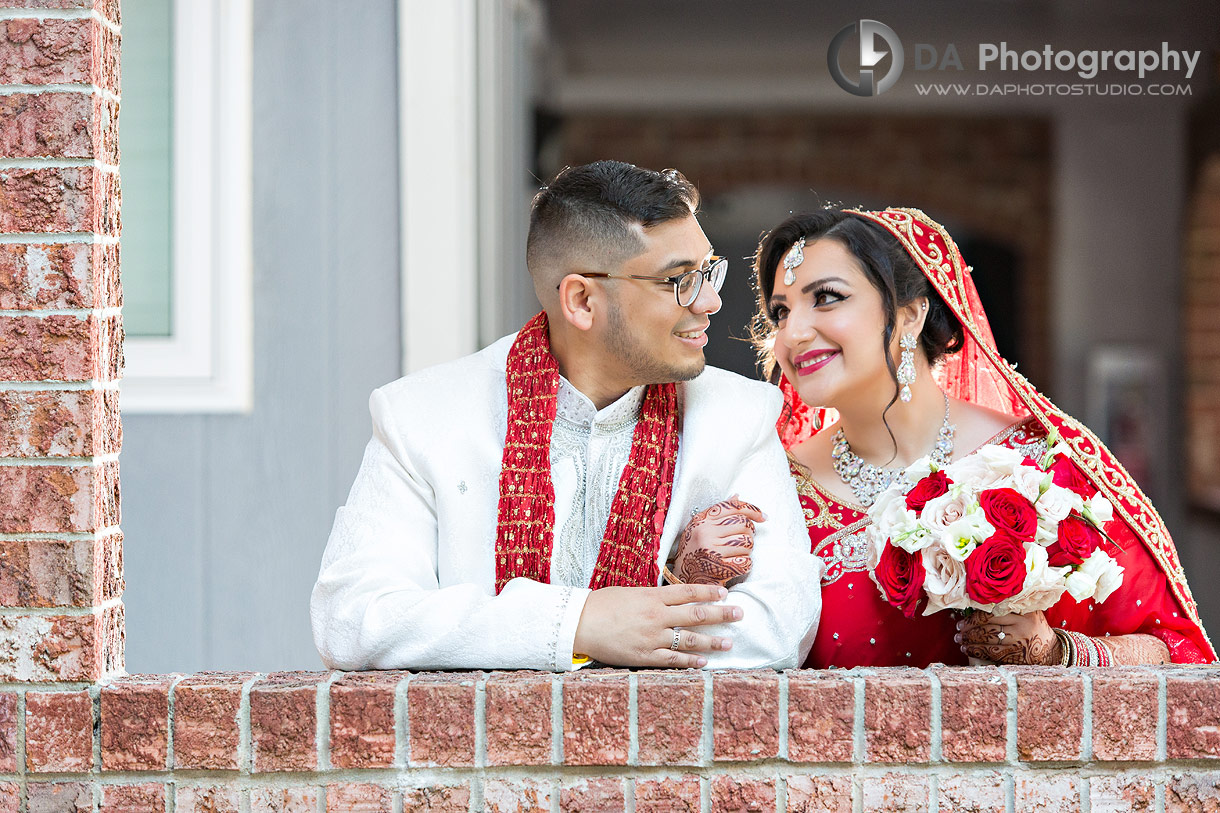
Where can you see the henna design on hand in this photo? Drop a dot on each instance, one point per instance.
(732, 507)
(704, 555)
(1137, 649)
(684, 548)
(1030, 651)
(983, 640)
(709, 567)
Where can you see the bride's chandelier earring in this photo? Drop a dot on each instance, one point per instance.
(906, 366)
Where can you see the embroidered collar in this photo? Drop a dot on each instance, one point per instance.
(574, 407)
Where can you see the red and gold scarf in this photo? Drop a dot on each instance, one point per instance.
(978, 374)
(525, 525)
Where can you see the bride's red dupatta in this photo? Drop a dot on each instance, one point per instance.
(979, 375)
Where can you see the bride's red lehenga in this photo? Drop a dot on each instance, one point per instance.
(859, 628)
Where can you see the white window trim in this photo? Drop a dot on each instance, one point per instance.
(437, 182)
(461, 159)
(207, 364)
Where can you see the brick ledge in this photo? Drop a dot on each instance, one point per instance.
(392, 740)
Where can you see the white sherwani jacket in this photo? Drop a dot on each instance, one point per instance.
(408, 576)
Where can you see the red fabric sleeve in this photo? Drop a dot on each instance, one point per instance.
(1181, 649)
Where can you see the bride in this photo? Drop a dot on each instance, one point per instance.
(874, 315)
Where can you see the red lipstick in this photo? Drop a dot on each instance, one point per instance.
(824, 357)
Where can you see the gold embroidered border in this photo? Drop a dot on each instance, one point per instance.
(829, 510)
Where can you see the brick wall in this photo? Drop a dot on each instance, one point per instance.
(990, 174)
(61, 617)
(898, 739)
(77, 735)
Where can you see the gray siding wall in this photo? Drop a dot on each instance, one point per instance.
(225, 517)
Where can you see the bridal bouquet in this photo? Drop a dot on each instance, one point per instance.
(994, 531)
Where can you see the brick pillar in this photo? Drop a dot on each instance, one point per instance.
(1202, 335)
(61, 355)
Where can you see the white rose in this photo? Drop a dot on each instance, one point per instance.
(884, 500)
(1000, 458)
(1047, 533)
(876, 544)
(895, 519)
(1105, 571)
(1044, 585)
(1109, 581)
(1099, 510)
(941, 512)
(920, 469)
(980, 471)
(1028, 481)
(964, 470)
(1081, 585)
(1057, 502)
(944, 581)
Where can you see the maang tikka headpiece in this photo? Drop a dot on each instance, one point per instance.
(794, 257)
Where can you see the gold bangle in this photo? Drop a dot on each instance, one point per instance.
(669, 576)
(1066, 646)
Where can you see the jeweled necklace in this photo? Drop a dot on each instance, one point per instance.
(866, 480)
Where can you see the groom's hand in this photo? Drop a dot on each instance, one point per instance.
(634, 626)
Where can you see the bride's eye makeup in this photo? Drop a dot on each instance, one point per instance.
(821, 297)
(826, 295)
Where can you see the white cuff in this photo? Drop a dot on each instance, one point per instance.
(570, 609)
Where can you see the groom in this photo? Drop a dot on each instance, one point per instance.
(516, 508)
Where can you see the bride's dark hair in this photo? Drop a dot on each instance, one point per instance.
(886, 264)
(888, 267)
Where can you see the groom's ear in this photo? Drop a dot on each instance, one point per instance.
(579, 299)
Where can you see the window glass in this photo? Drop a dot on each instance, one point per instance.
(146, 136)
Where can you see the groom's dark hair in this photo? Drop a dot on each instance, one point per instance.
(586, 218)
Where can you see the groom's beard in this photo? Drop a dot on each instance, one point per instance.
(646, 364)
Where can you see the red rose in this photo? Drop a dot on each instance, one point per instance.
(900, 575)
(1065, 473)
(1010, 513)
(929, 488)
(995, 570)
(1077, 539)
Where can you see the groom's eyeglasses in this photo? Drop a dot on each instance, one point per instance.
(687, 284)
